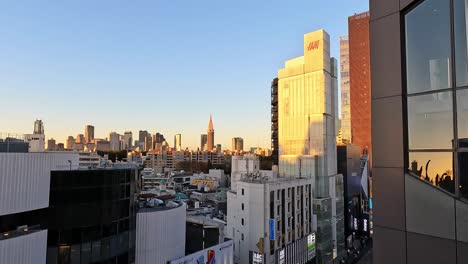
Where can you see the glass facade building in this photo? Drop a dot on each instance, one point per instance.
(436, 95)
(92, 216)
(345, 91)
(419, 63)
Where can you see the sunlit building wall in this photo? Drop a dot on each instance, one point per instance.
(345, 91)
(360, 80)
(308, 115)
(307, 96)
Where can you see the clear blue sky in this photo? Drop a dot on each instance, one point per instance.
(155, 65)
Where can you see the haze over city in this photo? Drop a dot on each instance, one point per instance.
(120, 66)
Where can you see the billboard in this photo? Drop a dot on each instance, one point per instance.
(222, 253)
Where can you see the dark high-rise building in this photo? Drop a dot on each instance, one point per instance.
(142, 134)
(203, 141)
(91, 216)
(89, 134)
(360, 81)
(419, 64)
(274, 121)
(53, 212)
(210, 139)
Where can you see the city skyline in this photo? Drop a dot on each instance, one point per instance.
(121, 67)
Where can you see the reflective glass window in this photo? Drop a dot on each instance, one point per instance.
(428, 51)
(433, 167)
(461, 38)
(430, 121)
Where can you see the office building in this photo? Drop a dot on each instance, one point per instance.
(51, 144)
(114, 140)
(24, 199)
(80, 139)
(50, 212)
(142, 138)
(178, 142)
(89, 134)
(360, 81)
(210, 136)
(86, 226)
(148, 142)
(102, 145)
(274, 122)
(345, 126)
(269, 217)
(238, 144)
(203, 141)
(419, 66)
(36, 142)
(70, 142)
(38, 127)
(308, 112)
(128, 139)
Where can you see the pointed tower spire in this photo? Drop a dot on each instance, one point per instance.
(210, 125)
(210, 135)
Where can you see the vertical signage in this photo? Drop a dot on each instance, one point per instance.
(311, 246)
(272, 229)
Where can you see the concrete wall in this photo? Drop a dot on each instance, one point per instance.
(26, 249)
(160, 235)
(25, 179)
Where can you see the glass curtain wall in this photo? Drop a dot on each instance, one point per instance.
(437, 93)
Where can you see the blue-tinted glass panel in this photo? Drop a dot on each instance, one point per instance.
(461, 37)
(433, 167)
(428, 47)
(430, 121)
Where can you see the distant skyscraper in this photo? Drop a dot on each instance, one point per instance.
(38, 127)
(274, 121)
(51, 144)
(345, 91)
(360, 80)
(160, 138)
(142, 135)
(128, 139)
(70, 142)
(237, 144)
(210, 140)
(218, 148)
(89, 134)
(80, 139)
(114, 140)
(178, 142)
(203, 141)
(148, 142)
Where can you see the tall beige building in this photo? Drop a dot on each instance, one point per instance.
(307, 100)
(345, 91)
(308, 114)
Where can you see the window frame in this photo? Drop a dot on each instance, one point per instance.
(455, 150)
